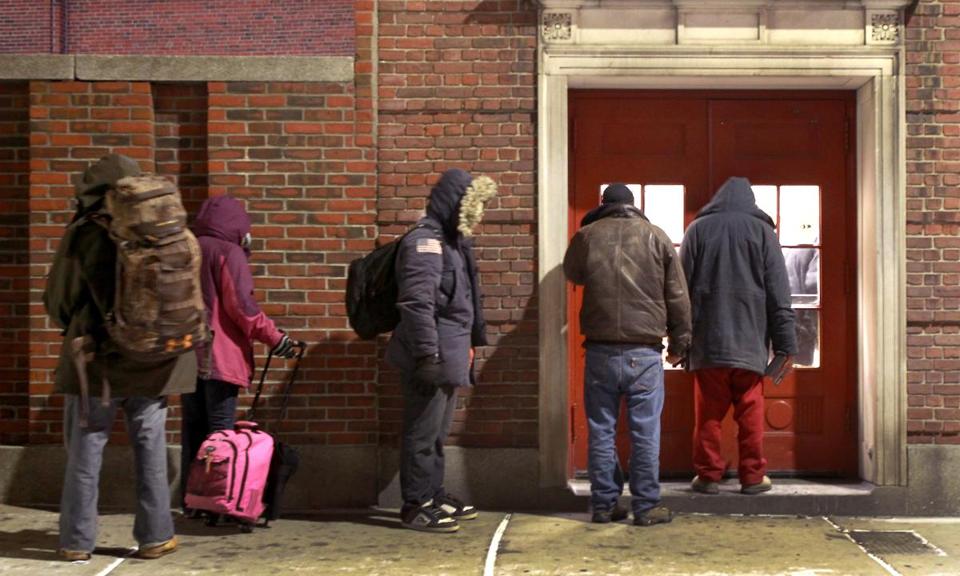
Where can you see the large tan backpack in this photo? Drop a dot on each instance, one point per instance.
(158, 309)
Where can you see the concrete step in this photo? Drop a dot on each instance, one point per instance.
(788, 496)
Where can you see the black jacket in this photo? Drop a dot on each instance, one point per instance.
(738, 284)
(634, 290)
(439, 290)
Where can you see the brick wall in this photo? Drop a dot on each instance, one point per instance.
(933, 223)
(72, 124)
(14, 260)
(28, 26)
(457, 89)
(178, 27)
(180, 115)
(291, 151)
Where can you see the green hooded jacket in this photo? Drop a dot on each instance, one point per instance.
(79, 293)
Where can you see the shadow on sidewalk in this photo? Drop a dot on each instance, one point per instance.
(370, 517)
(32, 544)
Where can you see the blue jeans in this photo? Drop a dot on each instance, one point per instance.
(212, 407)
(612, 372)
(146, 418)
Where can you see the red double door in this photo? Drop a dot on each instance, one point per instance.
(674, 149)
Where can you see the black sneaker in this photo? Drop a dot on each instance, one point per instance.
(429, 518)
(456, 508)
(616, 514)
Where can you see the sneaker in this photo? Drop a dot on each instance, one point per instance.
(764, 486)
(615, 514)
(154, 551)
(429, 518)
(456, 508)
(655, 515)
(74, 555)
(704, 486)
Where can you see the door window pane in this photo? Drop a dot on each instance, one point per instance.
(799, 215)
(635, 188)
(803, 271)
(808, 338)
(766, 199)
(663, 206)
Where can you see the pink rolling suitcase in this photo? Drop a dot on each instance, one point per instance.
(229, 476)
(234, 469)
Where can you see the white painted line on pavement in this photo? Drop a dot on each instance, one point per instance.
(495, 546)
(890, 569)
(113, 565)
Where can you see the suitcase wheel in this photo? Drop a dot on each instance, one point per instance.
(246, 527)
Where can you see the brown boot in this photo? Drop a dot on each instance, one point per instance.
(73, 555)
(155, 551)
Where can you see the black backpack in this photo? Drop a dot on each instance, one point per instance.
(372, 291)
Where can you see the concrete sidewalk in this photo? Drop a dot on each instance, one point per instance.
(373, 543)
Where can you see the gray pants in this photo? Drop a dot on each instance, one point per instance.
(146, 418)
(426, 424)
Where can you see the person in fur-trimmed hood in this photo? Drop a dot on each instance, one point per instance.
(441, 322)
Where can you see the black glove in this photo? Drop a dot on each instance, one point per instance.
(427, 375)
(285, 348)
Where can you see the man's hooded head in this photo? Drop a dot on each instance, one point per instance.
(736, 195)
(100, 177)
(445, 198)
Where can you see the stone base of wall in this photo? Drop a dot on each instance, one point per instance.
(329, 477)
(491, 478)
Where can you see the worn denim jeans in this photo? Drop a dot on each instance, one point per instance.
(146, 418)
(614, 371)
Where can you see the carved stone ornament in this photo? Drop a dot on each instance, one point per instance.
(884, 28)
(557, 26)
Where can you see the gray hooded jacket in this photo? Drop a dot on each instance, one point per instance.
(738, 284)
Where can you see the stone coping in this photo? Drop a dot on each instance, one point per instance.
(176, 68)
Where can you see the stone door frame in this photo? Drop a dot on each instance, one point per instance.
(875, 73)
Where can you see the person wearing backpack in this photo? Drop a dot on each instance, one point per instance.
(100, 375)
(441, 321)
(236, 321)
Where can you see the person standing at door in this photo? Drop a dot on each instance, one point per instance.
(740, 295)
(441, 321)
(634, 294)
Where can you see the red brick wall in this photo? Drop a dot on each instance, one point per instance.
(933, 223)
(72, 125)
(179, 27)
(292, 152)
(14, 260)
(457, 89)
(28, 26)
(180, 114)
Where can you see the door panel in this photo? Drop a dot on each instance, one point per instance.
(675, 149)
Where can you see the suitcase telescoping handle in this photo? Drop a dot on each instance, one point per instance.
(301, 347)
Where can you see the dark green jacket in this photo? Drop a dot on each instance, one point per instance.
(78, 293)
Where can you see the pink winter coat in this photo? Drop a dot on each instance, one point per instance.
(235, 319)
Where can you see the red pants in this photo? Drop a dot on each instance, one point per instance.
(715, 390)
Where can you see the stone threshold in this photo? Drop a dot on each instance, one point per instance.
(809, 497)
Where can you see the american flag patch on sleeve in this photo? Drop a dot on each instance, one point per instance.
(429, 246)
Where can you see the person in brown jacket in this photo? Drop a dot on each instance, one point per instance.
(78, 295)
(634, 294)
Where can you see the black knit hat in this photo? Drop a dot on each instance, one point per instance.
(617, 193)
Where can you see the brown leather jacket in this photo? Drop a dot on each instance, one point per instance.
(634, 287)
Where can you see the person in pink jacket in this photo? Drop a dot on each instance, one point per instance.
(225, 363)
